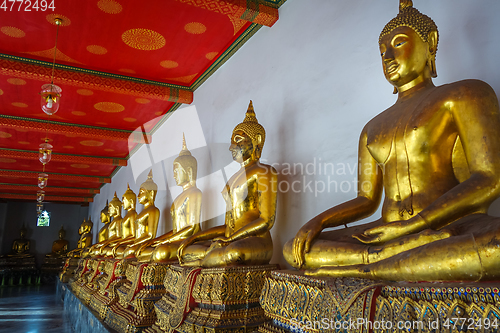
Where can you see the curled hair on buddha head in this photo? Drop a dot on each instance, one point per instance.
(423, 25)
(150, 185)
(187, 161)
(116, 202)
(255, 131)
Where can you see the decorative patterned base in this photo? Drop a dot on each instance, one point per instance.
(295, 303)
(69, 269)
(224, 299)
(87, 285)
(136, 297)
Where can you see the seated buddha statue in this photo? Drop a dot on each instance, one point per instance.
(127, 227)
(185, 212)
(21, 246)
(103, 234)
(114, 231)
(250, 196)
(59, 246)
(147, 220)
(434, 154)
(85, 232)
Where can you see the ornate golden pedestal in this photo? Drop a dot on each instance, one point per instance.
(82, 269)
(69, 268)
(86, 285)
(143, 287)
(113, 277)
(224, 299)
(293, 302)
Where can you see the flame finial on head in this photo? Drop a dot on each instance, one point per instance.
(184, 151)
(149, 184)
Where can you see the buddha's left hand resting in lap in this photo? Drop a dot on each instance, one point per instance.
(250, 197)
(436, 154)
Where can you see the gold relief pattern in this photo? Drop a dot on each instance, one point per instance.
(13, 32)
(195, 28)
(51, 19)
(142, 100)
(1, 92)
(109, 107)
(237, 23)
(211, 55)
(84, 92)
(69, 269)
(91, 143)
(78, 113)
(169, 64)
(16, 81)
(97, 49)
(143, 39)
(109, 6)
(49, 54)
(5, 135)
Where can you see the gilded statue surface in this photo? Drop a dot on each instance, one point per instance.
(147, 220)
(85, 240)
(59, 246)
(21, 246)
(185, 212)
(250, 197)
(435, 155)
(114, 229)
(127, 226)
(102, 236)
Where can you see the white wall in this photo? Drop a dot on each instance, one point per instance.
(315, 79)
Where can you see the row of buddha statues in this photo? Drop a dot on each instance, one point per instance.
(433, 156)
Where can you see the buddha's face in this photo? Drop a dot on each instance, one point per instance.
(126, 202)
(241, 146)
(404, 56)
(144, 196)
(61, 234)
(113, 210)
(180, 175)
(104, 217)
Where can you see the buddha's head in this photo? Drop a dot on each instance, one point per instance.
(62, 233)
(129, 199)
(408, 46)
(105, 214)
(248, 138)
(86, 226)
(185, 166)
(147, 191)
(23, 232)
(115, 206)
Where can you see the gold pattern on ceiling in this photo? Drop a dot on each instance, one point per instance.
(19, 104)
(50, 54)
(84, 92)
(16, 81)
(184, 79)
(91, 143)
(143, 39)
(109, 6)
(97, 49)
(142, 100)
(109, 107)
(195, 28)
(169, 64)
(13, 32)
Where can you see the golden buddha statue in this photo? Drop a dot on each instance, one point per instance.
(435, 154)
(147, 220)
(85, 232)
(21, 246)
(102, 236)
(185, 211)
(59, 246)
(250, 196)
(114, 232)
(127, 227)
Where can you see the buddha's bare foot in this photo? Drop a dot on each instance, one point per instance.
(359, 271)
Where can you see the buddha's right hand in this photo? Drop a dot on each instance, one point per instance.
(303, 239)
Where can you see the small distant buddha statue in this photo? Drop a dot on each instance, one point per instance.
(102, 235)
(147, 220)
(114, 232)
(21, 246)
(185, 212)
(60, 246)
(250, 196)
(85, 232)
(127, 227)
(435, 156)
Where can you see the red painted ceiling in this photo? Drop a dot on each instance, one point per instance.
(120, 64)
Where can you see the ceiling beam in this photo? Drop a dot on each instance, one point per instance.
(33, 188)
(54, 176)
(53, 127)
(57, 157)
(82, 78)
(48, 198)
(254, 11)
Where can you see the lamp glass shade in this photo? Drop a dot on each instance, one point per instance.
(50, 98)
(45, 152)
(42, 180)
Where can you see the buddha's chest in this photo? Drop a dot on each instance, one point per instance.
(180, 213)
(411, 131)
(244, 195)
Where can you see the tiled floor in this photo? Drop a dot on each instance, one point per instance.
(32, 309)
